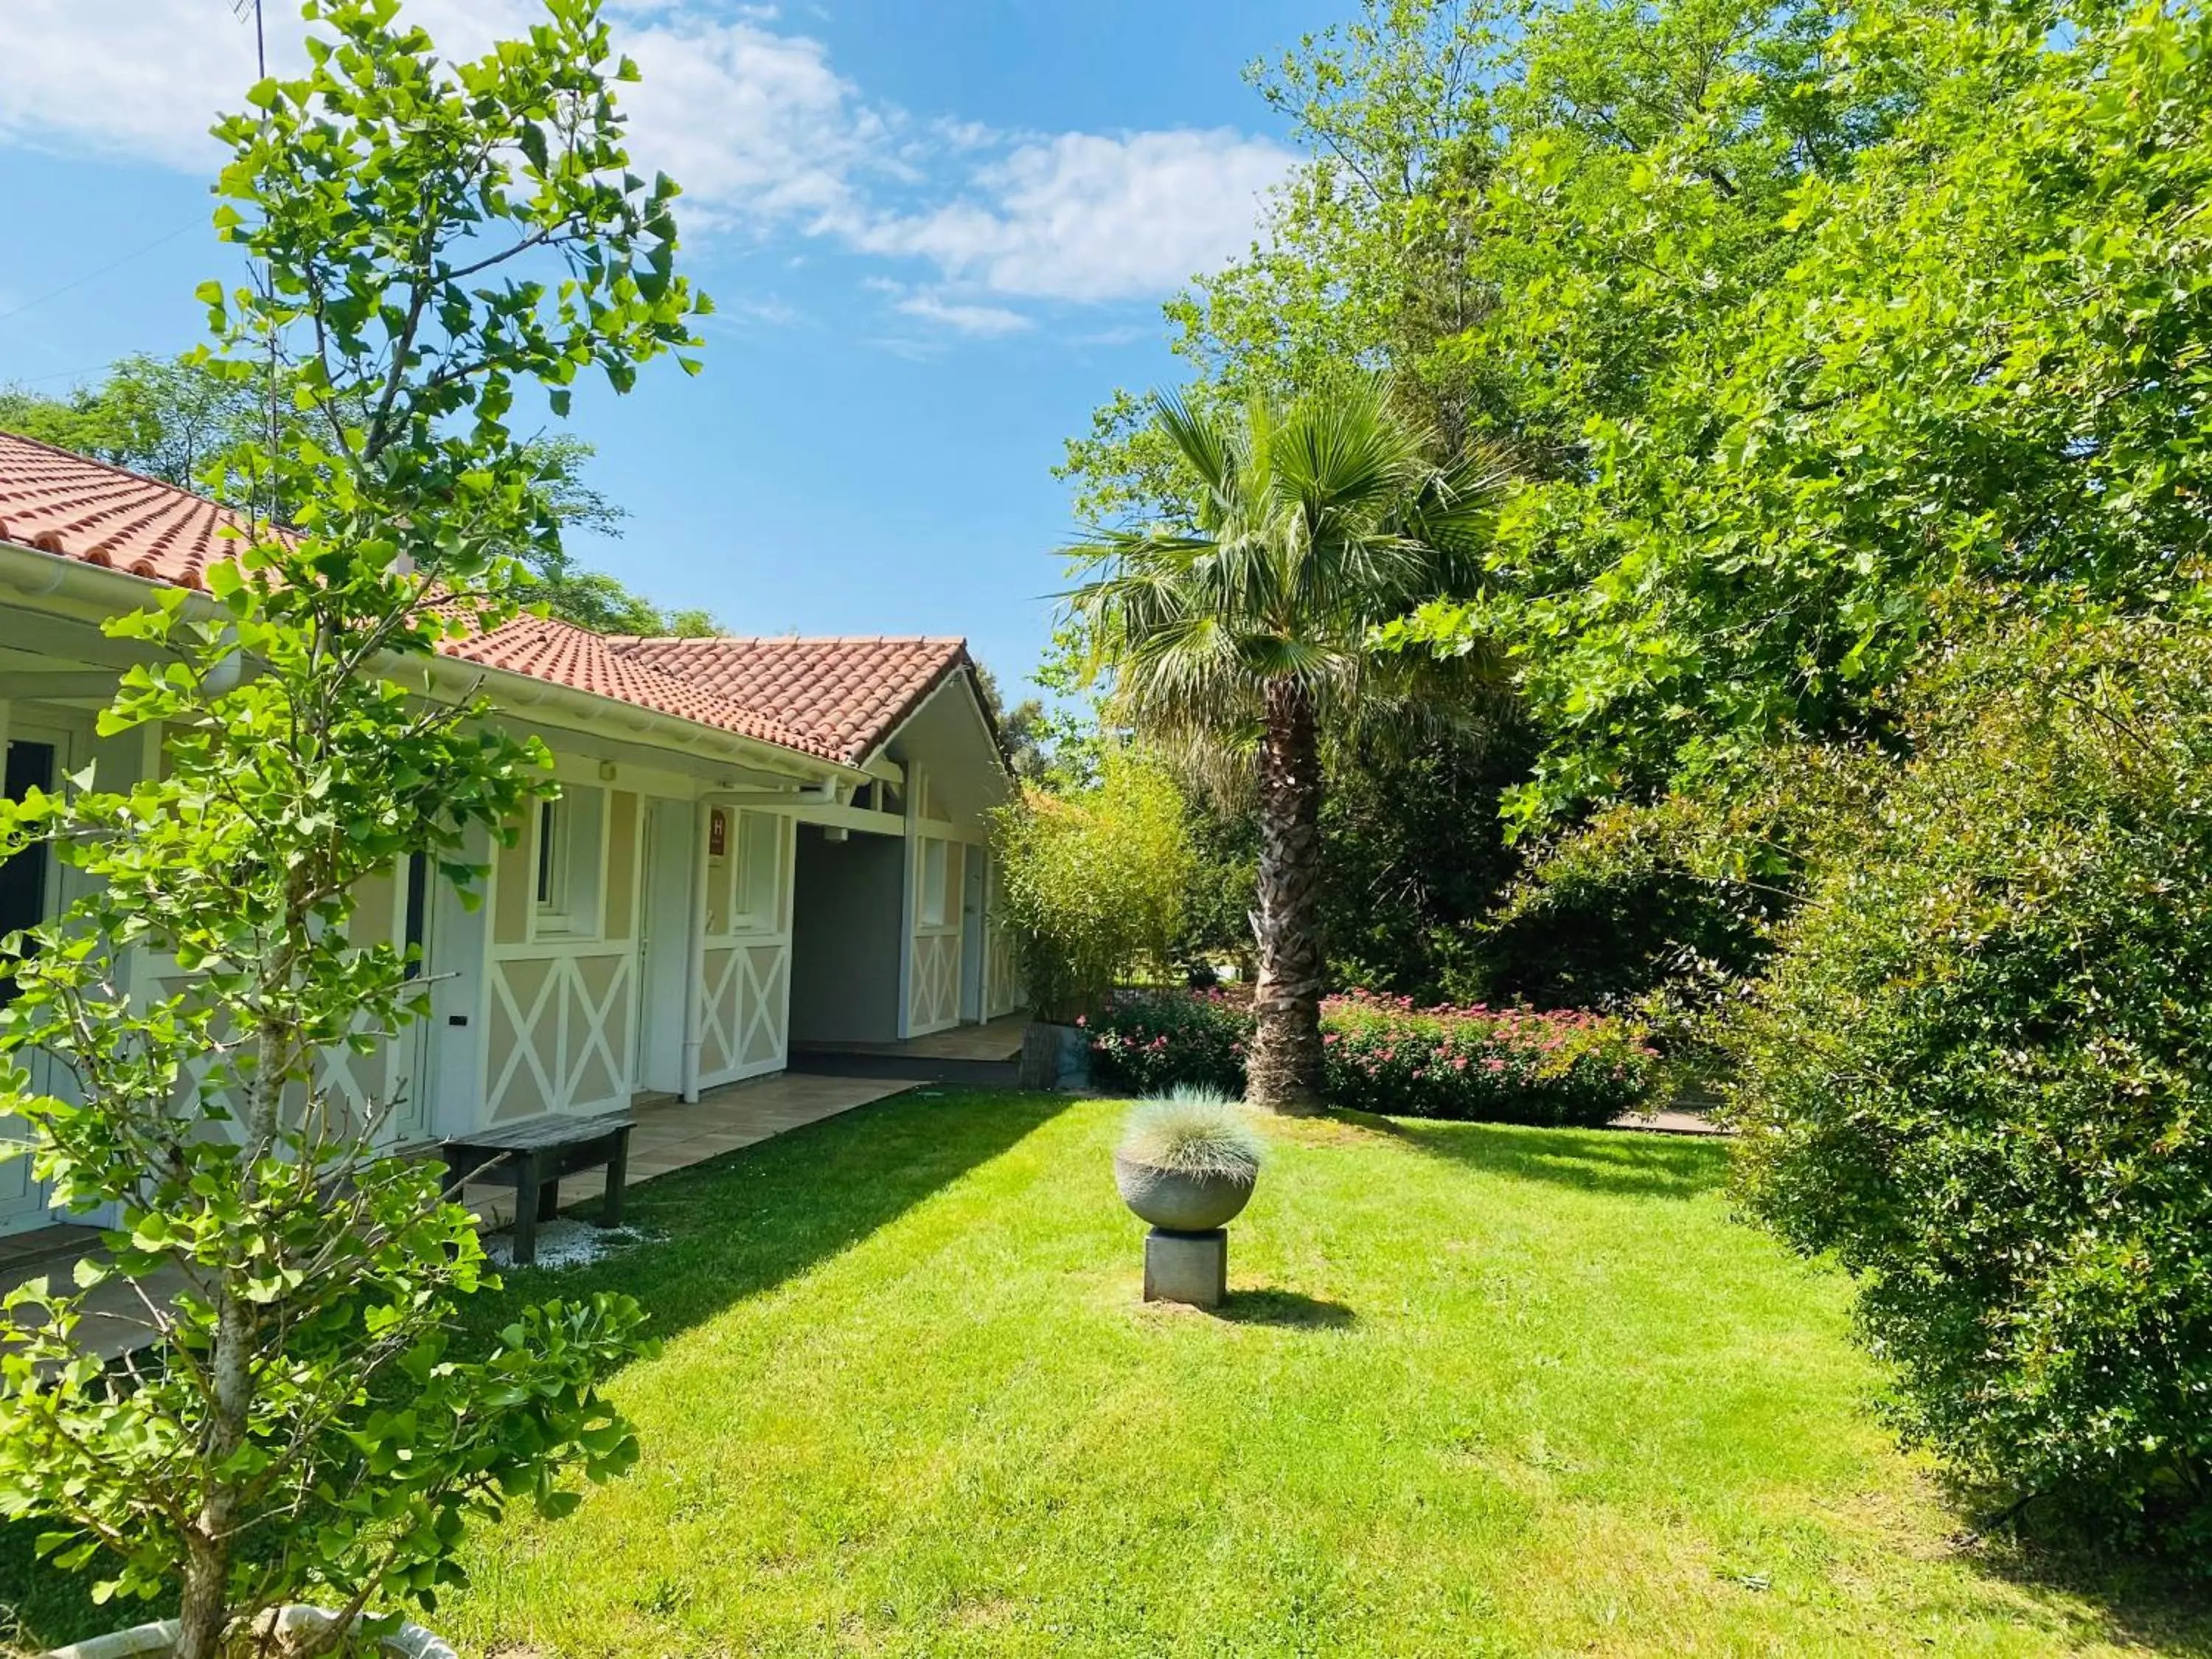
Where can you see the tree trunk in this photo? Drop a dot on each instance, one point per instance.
(204, 1611)
(1283, 1073)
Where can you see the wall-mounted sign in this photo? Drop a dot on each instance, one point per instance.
(718, 834)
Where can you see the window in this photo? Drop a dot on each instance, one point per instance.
(550, 849)
(933, 883)
(571, 848)
(757, 900)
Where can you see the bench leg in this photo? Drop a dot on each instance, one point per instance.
(527, 1197)
(610, 1210)
(549, 1199)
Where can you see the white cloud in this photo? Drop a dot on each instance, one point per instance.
(755, 126)
(1084, 217)
(984, 321)
(120, 77)
(765, 136)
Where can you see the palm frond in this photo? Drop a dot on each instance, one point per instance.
(1317, 523)
(1208, 447)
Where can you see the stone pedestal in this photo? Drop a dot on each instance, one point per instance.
(1192, 1267)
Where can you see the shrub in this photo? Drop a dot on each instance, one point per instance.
(1095, 882)
(1194, 1131)
(1977, 1074)
(1500, 1065)
(1148, 1043)
(1494, 1066)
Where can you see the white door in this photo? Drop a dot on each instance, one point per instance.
(30, 893)
(417, 1057)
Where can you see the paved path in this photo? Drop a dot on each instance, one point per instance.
(996, 1040)
(1671, 1123)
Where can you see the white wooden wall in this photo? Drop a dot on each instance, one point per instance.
(1002, 964)
(561, 1002)
(933, 981)
(745, 989)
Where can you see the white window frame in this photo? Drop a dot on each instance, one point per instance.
(751, 912)
(549, 867)
(936, 882)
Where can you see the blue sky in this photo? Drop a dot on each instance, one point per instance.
(939, 232)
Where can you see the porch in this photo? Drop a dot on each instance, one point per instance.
(984, 1056)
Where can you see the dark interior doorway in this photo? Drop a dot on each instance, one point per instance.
(23, 878)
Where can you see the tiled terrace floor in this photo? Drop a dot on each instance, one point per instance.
(995, 1040)
(668, 1136)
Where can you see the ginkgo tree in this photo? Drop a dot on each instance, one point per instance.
(426, 239)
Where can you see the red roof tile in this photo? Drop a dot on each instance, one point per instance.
(847, 695)
(547, 649)
(86, 510)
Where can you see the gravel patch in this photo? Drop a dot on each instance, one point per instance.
(564, 1243)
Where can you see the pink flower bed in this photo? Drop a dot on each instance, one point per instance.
(1385, 1054)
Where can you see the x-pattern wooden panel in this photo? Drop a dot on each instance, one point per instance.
(936, 981)
(549, 1054)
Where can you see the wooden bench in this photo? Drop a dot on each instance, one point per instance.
(531, 1156)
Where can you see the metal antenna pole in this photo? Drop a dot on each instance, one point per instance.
(239, 8)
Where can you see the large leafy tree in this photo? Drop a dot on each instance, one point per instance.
(1539, 218)
(425, 239)
(167, 418)
(1242, 632)
(1983, 363)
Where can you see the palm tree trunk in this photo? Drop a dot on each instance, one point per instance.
(1284, 1071)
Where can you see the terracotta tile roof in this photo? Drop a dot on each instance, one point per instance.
(86, 510)
(847, 695)
(547, 649)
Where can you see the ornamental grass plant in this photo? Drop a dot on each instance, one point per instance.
(1194, 1131)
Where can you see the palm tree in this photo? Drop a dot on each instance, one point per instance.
(1245, 631)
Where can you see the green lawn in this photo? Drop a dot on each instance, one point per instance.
(1480, 1391)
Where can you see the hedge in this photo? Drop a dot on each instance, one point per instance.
(1385, 1054)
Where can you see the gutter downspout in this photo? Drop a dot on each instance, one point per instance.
(695, 962)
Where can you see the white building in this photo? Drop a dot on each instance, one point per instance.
(757, 841)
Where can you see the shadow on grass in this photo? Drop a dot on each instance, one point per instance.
(1606, 1161)
(1293, 1309)
(743, 1223)
(726, 1230)
(2134, 1603)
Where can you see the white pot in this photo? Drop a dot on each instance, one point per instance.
(158, 1639)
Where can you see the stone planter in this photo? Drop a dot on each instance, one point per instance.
(156, 1640)
(1055, 1056)
(1179, 1203)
